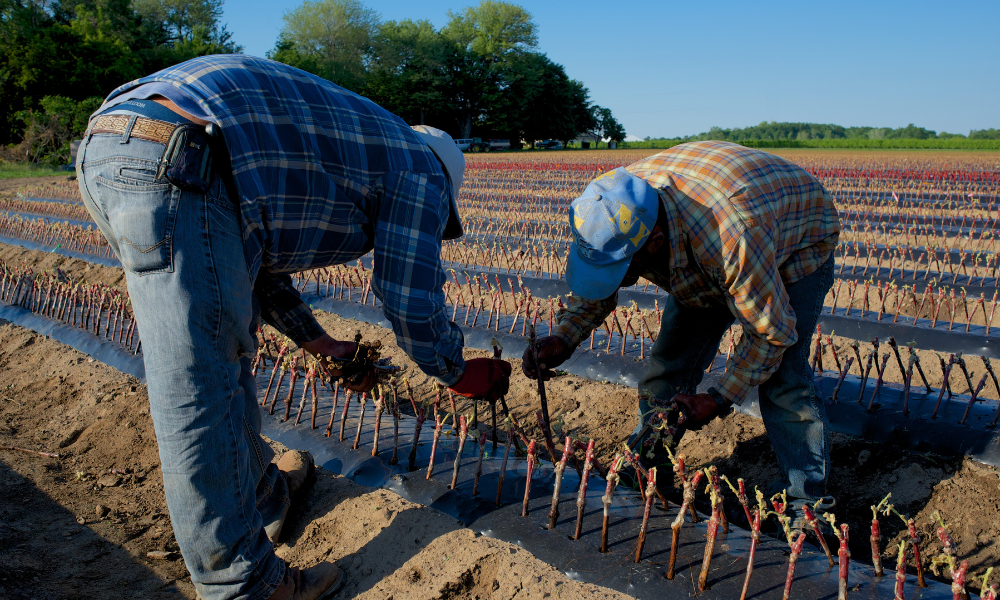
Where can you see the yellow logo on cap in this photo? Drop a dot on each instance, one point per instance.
(625, 220)
(603, 175)
(639, 237)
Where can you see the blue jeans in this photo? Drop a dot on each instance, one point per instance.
(193, 300)
(793, 412)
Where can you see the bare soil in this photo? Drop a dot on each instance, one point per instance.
(81, 526)
(58, 186)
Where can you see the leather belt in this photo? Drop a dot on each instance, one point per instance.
(144, 129)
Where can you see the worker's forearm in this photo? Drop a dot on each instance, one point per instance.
(282, 308)
(580, 317)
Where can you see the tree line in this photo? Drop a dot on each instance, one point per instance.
(805, 132)
(480, 74)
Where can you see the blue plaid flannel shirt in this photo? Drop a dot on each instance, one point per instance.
(324, 176)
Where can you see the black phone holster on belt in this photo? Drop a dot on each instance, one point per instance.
(187, 160)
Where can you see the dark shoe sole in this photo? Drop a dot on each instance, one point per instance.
(333, 589)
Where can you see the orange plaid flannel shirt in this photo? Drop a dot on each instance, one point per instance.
(751, 221)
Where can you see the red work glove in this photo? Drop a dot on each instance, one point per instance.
(484, 378)
(699, 409)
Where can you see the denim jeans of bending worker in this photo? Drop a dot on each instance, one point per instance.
(790, 405)
(193, 300)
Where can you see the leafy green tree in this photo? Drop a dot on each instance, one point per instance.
(47, 132)
(910, 132)
(984, 134)
(478, 72)
(85, 48)
(486, 38)
(330, 38)
(408, 71)
(605, 125)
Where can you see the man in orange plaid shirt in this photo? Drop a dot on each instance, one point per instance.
(734, 235)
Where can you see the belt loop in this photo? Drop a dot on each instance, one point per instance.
(90, 130)
(128, 129)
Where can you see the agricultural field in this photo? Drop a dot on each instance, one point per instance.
(902, 358)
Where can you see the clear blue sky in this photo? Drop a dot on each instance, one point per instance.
(668, 68)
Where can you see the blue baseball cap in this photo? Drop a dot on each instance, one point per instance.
(610, 221)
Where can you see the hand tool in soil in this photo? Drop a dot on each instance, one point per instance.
(650, 487)
(542, 398)
(581, 498)
(612, 482)
(559, 469)
(690, 486)
(714, 521)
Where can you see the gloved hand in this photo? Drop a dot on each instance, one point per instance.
(552, 352)
(484, 378)
(325, 346)
(699, 409)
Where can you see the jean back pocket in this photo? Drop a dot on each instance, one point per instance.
(141, 211)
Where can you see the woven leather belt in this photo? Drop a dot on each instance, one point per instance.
(144, 129)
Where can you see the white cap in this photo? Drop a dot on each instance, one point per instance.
(451, 157)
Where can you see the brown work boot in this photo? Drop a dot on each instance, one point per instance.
(315, 583)
(296, 465)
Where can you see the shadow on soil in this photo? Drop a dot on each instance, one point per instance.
(46, 555)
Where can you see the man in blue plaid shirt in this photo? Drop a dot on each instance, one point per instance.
(213, 180)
